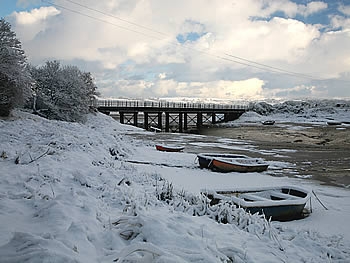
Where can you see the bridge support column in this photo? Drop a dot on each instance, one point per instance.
(180, 122)
(121, 117)
(185, 121)
(145, 120)
(199, 120)
(167, 122)
(160, 120)
(213, 118)
(135, 118)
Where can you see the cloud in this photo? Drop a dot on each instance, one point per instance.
(339, 22)
(291, 9)
(119, 53)
(345, 9)
(299, 91)
(35, 15)
(312, 8)
(29, 24)
(265, 38)
(221, 89)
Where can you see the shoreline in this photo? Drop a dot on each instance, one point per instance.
(319, 152)
(316, 152)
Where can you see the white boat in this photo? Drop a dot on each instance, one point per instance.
(282, 203)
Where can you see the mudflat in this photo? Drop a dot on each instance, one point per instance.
(321, 152)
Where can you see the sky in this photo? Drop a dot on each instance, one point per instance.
(228, 49)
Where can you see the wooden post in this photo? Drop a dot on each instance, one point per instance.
(145, 120)
(213, 118)
(160, 120)
(180, 122)
(121, 117)
(167, 128)
(185, 120)
(199, 120)
(135, 118)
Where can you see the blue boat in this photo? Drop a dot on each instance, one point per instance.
(284, 203)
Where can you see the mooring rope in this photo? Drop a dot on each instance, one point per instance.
(319, 200)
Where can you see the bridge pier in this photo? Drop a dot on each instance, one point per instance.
(160, 120)
(121, 117)
(199, 120)
(213, 118)
(145, 121)
(180, 122)
(167, 122)
(135, 118)
(185, 121)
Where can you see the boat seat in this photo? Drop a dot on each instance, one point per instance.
(283, 196)
(253, 197)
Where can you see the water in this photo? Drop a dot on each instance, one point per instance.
(311, 152)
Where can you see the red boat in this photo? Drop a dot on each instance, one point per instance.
(168, 148)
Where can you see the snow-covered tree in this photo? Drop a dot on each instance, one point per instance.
(15, 80)
(63, 91)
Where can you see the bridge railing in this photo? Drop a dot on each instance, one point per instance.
(123, 103)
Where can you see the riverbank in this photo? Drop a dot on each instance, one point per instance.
(320, 152)
(101, 192)
(309, 151)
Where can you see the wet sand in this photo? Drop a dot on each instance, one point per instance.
(316, 152)
(320, 152)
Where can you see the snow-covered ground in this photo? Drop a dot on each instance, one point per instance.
(309, 111)
(94, 192)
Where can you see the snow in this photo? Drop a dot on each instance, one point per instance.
(100, 192)
(315, 112)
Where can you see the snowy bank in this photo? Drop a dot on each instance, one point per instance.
(70, 193)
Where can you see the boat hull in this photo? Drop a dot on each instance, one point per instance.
(279, 204)
(269, 122)
(205, 159)
(226, 167)
(169, 148)
(279, 213)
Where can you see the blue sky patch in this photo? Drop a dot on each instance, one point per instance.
(7, 7)
(322, 17)
(192, 36)
(192, 31)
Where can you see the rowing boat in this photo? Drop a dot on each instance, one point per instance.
(205, 159)
(242, 165)
(278, 203)
(168, 148)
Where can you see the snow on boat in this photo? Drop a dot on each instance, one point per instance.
(205, 159)
(168, 148)
(278, 203)
(268, 122)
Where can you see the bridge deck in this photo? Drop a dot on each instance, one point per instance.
(165, 106)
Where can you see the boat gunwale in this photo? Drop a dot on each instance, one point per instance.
(169, 148)
(266, 203)
(210, 156)
(248, 165)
